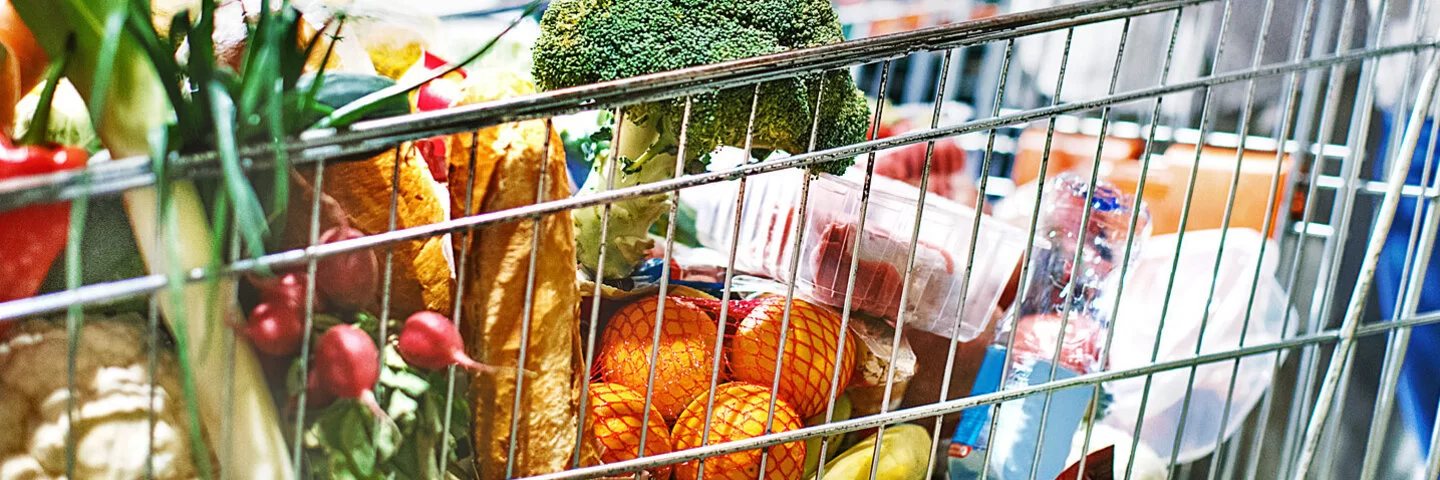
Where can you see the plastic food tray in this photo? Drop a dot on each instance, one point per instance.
(833, 236)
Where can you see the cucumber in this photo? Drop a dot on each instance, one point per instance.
(340, 88)
(108, 254)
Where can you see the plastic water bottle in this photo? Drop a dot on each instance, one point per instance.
(1027, 441)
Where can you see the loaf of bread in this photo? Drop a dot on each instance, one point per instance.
(420, 276)
(508, 174)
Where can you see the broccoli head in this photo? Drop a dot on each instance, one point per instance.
(590, 41)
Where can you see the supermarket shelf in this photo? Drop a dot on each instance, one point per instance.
(378, 135)
(371, 136)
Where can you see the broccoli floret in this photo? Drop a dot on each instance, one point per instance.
(589, 41)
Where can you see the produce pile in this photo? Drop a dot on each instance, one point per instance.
(750, 396)
(465, 355)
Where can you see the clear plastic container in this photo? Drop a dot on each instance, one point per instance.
(766, 222)
(943, 246)
(830, 240)
(1138, 322)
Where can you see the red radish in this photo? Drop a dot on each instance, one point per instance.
(435, 62)
(275, 328)
(347, 365)
(316, 396)
(288, 288)
(440, 93)
(432, 342)
(348, 279)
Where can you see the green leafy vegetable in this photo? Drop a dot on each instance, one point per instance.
(589, 41)
(345, 441)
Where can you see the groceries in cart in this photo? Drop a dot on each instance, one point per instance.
(353, 249)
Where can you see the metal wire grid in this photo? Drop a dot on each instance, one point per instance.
(1308, 61)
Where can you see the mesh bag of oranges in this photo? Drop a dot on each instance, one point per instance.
(714, 372)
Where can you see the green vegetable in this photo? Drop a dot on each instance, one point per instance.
(341, 88)
(109, 254)
(345, 441)
(129, 80)
(144, 101)
(588, 41)
(69, 120)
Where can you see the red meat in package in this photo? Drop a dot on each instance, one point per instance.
(879, 271)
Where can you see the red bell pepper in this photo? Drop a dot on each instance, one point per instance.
(437, 94)
(31, 237)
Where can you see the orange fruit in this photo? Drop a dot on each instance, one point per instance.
(685, 356)
(809, 359)
(616, 412)
(740, 413)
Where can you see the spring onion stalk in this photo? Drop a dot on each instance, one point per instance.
(136, 103)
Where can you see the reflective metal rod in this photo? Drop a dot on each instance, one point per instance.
(1205, 124)
(1331, 432)
(458, 307)
(609, 162)
(1413, 277)
(664, 292)
(528, 313)
(1329, 109)
(1076, 260)
(387, 278)
(725, 295)
(1027, 260)
(1146, 155)
(999, 99)
(307, 335)
(1226, 217)
(1302, 44)
(1383, 219)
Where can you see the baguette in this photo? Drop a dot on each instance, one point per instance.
(420, 277)
(508, 163)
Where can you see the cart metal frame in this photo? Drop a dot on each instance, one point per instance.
(1310, 118)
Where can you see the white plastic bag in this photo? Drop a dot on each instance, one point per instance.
(1141, 308)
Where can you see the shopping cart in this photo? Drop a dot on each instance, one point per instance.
(1314, 193)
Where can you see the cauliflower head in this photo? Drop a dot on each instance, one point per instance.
(114, 399)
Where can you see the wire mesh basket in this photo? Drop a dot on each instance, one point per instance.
(1217, 337)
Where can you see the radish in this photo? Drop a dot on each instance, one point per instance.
(347, 365)
(288, 288)
(275, 328)
(348, 279)
(431, 341)
(315, 395)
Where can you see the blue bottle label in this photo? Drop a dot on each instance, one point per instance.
(970, 433)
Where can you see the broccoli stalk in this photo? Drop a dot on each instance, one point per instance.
(589, 41)
(644, 156)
